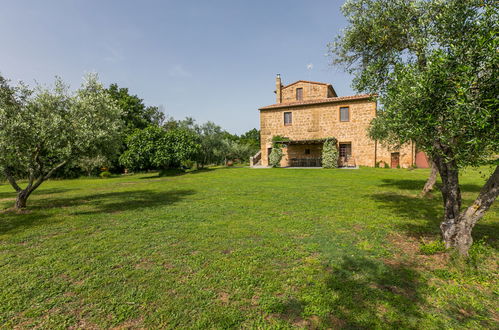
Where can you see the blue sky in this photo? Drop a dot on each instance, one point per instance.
(211, 60)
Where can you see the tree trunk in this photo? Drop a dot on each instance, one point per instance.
(456, 231)
(22, 198)
(432, 179)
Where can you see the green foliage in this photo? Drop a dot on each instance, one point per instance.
(92, 165)
(277, 139)
(135, 114)
(155, 147)
(432, 247)
(436, 75)
(252, 138)
(275, 156)
(330, 153)
(44, 129)
(216, 145)
(105, 174)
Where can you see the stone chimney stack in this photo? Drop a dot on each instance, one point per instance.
(278, 88)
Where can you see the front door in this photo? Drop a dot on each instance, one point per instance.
(345, 153)
(395, 159)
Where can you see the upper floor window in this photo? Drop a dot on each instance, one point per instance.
(344, 114)
(299, 94)
(288, 118)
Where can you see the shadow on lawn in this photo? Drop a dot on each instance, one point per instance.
(419, 184)
(38, 212)
(118, 201)
(364, 294)
(41, 191)
(174, 172)
(424, 216)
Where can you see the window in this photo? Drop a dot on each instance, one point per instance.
(345, 150)
(307, 151)
(344, 114)
(288, 119)
(299, 94)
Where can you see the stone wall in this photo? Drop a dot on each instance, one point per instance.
(323, 120)
(310, 92)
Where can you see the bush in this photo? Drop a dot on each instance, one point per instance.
(330, 154)
(275, 156)
(432, 247)
(386, 165)
(105, 174)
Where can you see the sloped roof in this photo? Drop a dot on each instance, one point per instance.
(308, 82)
(319, 101)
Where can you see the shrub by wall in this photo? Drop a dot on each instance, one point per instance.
(275, 156)
(330, 153)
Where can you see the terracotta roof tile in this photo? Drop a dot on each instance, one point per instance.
(319, 101)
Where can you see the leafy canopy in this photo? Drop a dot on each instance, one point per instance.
(434, 65)
(46, 128)
(155, 147)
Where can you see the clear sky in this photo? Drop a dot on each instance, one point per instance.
(211, 60)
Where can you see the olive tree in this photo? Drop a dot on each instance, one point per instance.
(42, 130)
(434, 65)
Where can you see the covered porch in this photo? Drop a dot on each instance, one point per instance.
(308, 153)
(304, 153)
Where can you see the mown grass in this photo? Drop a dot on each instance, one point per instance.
(231, 248)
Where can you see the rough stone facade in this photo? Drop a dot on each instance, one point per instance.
(317, 116)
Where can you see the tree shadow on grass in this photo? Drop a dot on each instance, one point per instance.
(372, 294)
(417, 185)
(424, 216)
(41, 191)
(362, 293)
(174, 172)
(38, 212)
(118, 201)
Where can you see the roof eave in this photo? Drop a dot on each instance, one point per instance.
(333, 100)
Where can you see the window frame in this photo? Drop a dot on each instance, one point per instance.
(290, 118)
(348, 114)
(301, 94)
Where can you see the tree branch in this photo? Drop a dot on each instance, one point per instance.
(482, 203)
(47, 176)
(12, 181)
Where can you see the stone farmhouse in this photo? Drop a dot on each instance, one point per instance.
(307, 112)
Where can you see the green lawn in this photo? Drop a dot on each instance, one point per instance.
(243, 247)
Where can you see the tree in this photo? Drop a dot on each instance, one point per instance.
(155, 147)
(89, 164)
(43, 130)
(434, 65)
(135, 113)
(252, 137)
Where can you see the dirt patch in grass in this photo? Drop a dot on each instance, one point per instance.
(224, 297)
(144, 264)
(408, 252)
(131, 324)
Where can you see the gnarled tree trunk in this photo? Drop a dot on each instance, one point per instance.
(456, 231)
(432, 179)
(21, 199)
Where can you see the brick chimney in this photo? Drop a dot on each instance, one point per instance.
(278, 88)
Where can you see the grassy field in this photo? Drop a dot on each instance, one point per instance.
(246, 248)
